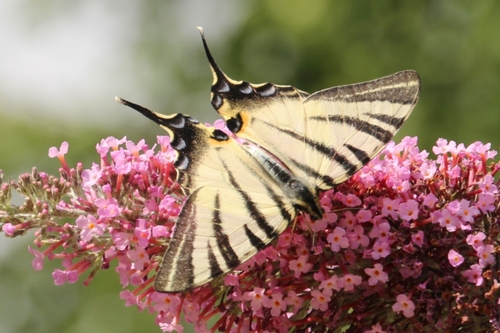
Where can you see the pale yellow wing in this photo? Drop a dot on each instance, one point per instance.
(233, 209)
(322, 138)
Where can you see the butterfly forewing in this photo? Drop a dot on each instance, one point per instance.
(351, 124)
(323, 138)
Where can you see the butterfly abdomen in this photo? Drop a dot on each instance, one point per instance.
(304, 197)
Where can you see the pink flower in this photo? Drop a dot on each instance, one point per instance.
(390, 207)
(333, 283)
(430, 200)
(256, 298)
(476, 240)
(475, 275)
(486, 255)
(381, 249)
(364, 215)
(90, 227)
(139, 257)
(320, 300)
(277, 304)
(337, 239)
(351, 281)
(294, 300)
(376, 274)
(467, 212)
(357, 237)
(59, 153)
(108, 208)
(381, 231)
(37, 262)
(300, 265)
(485, 202)
(448, 220)
(348, 221)
(405, 305)
(408, 210)
(351, 200)
(63, 150)
(165, 302)
(418, 238)
(455, 258)
(377, 328)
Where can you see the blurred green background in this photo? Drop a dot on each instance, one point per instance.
(62, 62)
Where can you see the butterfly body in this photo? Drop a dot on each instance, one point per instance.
(242, 193)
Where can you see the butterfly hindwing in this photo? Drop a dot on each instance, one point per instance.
(233, 207)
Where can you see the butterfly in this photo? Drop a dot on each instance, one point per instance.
(243, 190)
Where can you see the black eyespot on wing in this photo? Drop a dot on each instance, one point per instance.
(234, 124)
(219, 135)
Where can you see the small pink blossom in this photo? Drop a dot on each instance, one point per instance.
(333, 283)
(486, 255)
(475, 275)
(337, 239)
(389, 208)
(430, 200)
(165, 302)
(377, 328)
(351, 281)
(351, 200)
(455, 258)
(63, 150)
(448, 220)
(348, 221)
(294, 300)
(256, 298)
(363, 215)
(320, 300)
(376, 274)
(381, 231)
(37, 262)
(418, 238)
(277, 304)
(405, 305)
(139, 257)
(90, 227)
(408, 210)
(381, 249)
(476, 240)
(300, 265)
(485, 202)
(357, 237)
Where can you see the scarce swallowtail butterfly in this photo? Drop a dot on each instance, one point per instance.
(242, 193)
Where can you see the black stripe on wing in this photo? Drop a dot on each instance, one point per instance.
(376, 131)
(252, 209)
(399, 88)
(223, 244)
(176, 273)
(327, 151)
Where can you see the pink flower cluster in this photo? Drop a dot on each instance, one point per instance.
(407, 244)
